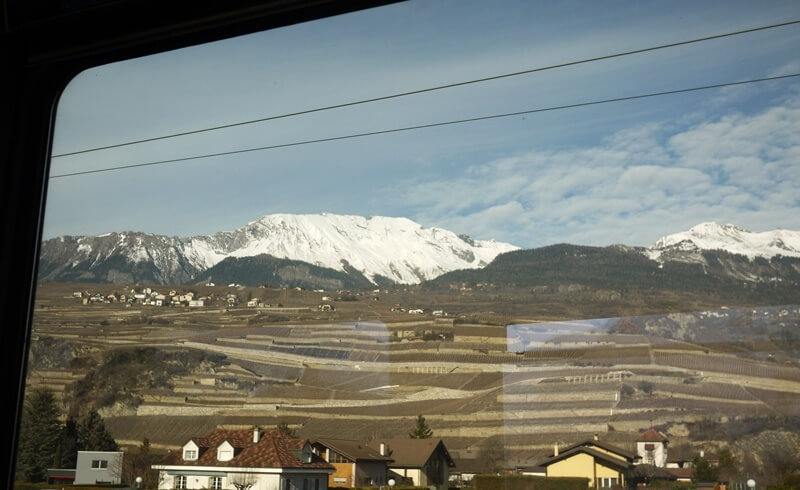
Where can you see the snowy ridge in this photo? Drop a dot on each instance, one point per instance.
(713, 236)
(397, 248)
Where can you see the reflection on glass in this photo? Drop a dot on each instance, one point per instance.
(432, 286)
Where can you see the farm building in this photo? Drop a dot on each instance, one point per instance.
(255, 459)
(418, 462)
(357, 465)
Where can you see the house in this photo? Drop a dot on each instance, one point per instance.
(604, 465)
(356, 464)
(651, 447)
(418, 462)
(96, 467)
(250, 458)
(466, 469)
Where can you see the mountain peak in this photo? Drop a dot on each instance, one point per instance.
(730, 238)
(391, 247)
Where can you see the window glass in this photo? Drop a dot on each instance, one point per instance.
(181, 481)
(528, 230)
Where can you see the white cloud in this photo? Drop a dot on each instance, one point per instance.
(637, 185)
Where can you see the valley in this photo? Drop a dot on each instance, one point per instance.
(494, 367)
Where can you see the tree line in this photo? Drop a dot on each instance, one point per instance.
(45, 442)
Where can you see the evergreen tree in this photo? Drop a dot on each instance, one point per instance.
(704, 472)
(728, 465)
(39, 435)
(284, 427)
(92, 434)
(67, 452)
(421, 429)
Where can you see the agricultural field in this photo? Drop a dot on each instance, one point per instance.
(366, 371)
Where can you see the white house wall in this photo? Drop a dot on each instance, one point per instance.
(263, 481)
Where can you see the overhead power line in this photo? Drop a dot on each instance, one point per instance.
(425, 126)
(430, 89)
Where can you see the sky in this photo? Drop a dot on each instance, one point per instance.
(627, 172)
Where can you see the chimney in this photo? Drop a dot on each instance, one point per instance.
(702, 454)
(555, 449)
(255, 435)
(383, 449)
(595, 437)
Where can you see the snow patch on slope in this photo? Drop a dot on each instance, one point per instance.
(731, 238)
(397, 248)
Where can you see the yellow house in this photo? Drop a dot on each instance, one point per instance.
(604, 465)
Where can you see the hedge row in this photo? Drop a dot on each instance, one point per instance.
(70, 486)
(525, 482)
(397, 487)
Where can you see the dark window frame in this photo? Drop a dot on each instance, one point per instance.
(43, 45)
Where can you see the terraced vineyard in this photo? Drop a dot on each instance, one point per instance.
(372, 378)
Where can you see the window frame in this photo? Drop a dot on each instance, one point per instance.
(41, 49)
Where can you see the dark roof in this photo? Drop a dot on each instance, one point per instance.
(273, 450)
(602, 445)
(354, 450)
(605, 458)
(651, 435)
(471, 465)
(680, 472)
(411, 453)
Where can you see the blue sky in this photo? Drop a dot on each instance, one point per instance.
(620, 173)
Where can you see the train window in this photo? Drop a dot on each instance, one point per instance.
(552, 240)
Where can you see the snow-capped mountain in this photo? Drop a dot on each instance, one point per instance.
(395, 248)
(730, 238)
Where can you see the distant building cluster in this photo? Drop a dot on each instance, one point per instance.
(417, 311)
(151, 297)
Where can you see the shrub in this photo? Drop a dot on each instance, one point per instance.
(646, 387)
(525, 482)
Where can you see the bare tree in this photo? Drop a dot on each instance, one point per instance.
(243, 480)
(138, 463)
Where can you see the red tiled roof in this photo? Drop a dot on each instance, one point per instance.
(273, 450)
(651, 435)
